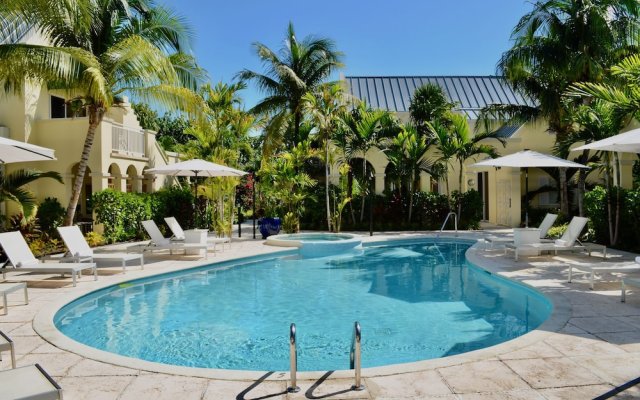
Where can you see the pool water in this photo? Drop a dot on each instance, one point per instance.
(414, 301)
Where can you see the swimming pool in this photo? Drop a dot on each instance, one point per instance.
(317, 244)
(415, 300)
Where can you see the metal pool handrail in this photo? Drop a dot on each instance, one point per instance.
(455, 222)
(293, 360)
(355, 356)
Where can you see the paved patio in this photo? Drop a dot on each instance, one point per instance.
(590, 345)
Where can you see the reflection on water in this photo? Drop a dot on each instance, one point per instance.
(414, 301)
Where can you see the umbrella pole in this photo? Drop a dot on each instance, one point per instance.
(526, 197)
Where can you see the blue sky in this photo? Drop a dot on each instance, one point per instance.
(399, 37)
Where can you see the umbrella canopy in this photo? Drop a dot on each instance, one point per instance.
(528, 158)
(197, 168)
(13, 151)
(628, 142)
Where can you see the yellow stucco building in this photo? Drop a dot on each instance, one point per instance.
(121, 153)
(501, 189)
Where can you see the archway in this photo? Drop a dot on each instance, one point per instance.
(115, 178)
(364, 177)
(84, 209)
(132, 179)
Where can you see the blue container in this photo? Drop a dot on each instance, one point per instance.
(269, 226)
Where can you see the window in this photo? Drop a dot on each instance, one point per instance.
(60, 109)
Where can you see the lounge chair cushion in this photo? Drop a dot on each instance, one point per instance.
(27, 383)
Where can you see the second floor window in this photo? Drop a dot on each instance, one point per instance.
(61, 109)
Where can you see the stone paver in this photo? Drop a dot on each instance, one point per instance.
(164, 387)
(553, 372)
(482, 376)
(597, 349)
(419, 385)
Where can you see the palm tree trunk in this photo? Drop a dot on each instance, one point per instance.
(326, 184)
(460, 188)
(564, 193)
(95, 118)
(411, 183)
(364, 193)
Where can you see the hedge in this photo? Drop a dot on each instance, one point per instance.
(122, 213)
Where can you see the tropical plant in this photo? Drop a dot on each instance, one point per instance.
(407, 155)
(362, 130)
(429, 104)
(325, 108)
(284, 187)
(99, 52)
(297, 68)
(558, 43)
(341, 195)
(445, 149)
(12, 188)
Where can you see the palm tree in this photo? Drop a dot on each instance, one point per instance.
(100, 52)
(325, 107)
(558, 43)
(297, 68)
(362, 130)
(407, 154)
(429, 104)
(12, 188)
(441, 138)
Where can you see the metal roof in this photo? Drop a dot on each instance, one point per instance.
(470, 93)
(12, 30)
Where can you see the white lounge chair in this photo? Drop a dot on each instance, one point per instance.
(6, 288)
(178, 232)
(568, 242)
(159, 242)
(22, 259)
(80, 250)
(592, 269)
(635, 282)
(544, 227)
(6, 344)
(28, 383)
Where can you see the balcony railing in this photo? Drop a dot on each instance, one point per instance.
(128, 141)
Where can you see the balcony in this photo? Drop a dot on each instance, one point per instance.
(127, 141)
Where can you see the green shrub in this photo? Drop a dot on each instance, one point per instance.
(121, 214)
(596, 208)
(94, 239)
(470, 208)
(556, 232)
(173, 202)
(50, 215)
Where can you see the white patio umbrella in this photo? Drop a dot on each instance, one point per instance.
(12, 151)
(628, 142)
(196, 168)
(528, 159)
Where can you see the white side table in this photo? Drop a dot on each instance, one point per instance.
(526, 236)
(6, 288)
(198, 236)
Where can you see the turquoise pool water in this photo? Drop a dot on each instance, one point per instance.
(414, 301)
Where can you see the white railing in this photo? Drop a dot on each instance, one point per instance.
(127, 141)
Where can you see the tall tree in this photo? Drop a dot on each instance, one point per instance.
(99, 52)
(407, 154)
(326, 107)
(297, 68)
(429, 104)
(561, 42)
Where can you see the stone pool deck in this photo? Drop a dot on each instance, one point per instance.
(590, 345)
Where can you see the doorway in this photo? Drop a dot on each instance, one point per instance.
(483, 189)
